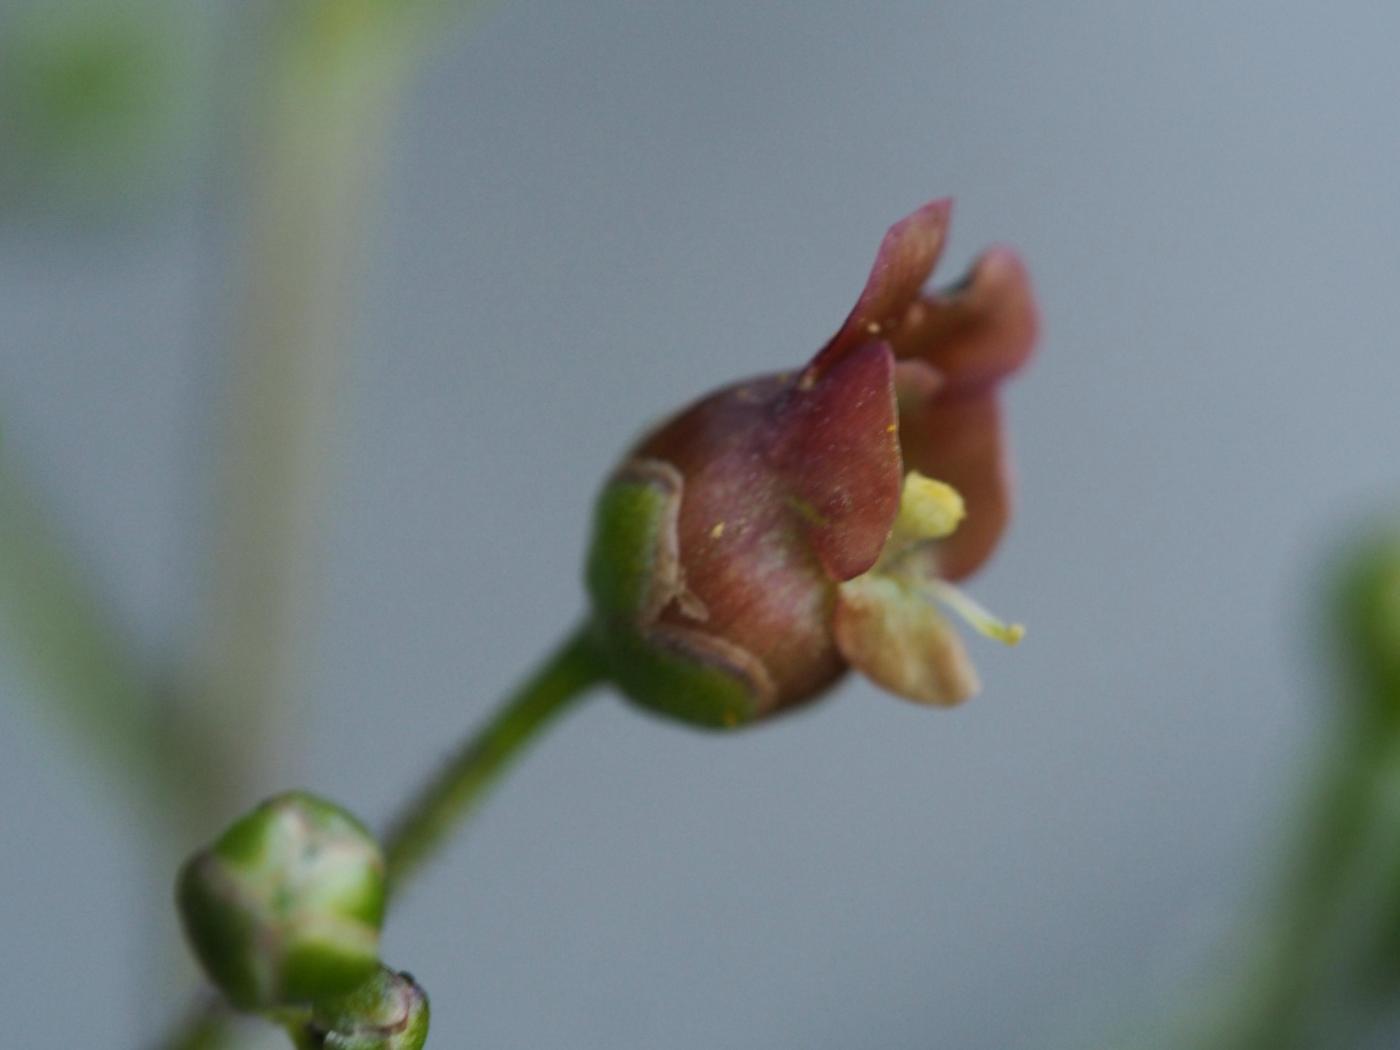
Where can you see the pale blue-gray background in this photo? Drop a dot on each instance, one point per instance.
(593, 211)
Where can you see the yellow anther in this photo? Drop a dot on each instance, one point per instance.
(928, 510)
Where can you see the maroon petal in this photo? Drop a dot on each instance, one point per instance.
(838, 455)
(973, 336)
(902, 266)
(961, 442)
(977, 332)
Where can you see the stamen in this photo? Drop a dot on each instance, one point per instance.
(973, 614)
(928, 510)
(931, 510)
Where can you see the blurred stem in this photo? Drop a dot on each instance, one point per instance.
(1280, 1004)
(327, 88)
(1315, 982)
(207, 1027)
(327, 77)
(85, 668)
(450, 797)
(333, 72)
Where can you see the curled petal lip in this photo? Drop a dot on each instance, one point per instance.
(974, 332)
(903, 264)
(977, 332)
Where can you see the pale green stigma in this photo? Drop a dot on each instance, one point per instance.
(972, 613)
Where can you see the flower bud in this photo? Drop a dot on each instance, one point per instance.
(387, 1012)
(757, 544)
(285, 907)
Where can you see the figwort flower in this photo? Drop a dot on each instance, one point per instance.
(781, 529)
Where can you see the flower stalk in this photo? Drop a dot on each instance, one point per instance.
(451, 796)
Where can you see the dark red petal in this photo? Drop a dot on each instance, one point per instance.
(978, 331)
(973, 335)
(960, 441)
(902, 266)
(837, 451)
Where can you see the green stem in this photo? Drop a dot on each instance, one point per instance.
(450, 797)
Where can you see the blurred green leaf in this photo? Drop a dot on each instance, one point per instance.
(1369, 618)
(86, 675)
(97, 100)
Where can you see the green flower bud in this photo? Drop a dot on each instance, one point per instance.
(286, 906)
(387, 1012)
(96, 100)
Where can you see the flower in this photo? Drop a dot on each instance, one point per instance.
(781, 529)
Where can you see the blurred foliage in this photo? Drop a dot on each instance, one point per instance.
(1323, 970)
(89, 677)
(99, 101)
(1370, 621)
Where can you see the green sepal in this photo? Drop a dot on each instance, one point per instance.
(629, 525)
(389, 1011)
(678, 686)
(633, 574)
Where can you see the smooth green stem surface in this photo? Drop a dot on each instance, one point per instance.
(447, 799)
